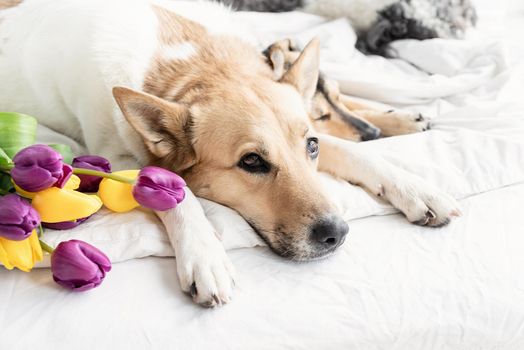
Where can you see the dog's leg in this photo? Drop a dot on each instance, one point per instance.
(392, 122)
(204, 270)
(422, 203)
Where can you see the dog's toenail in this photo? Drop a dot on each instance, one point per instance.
(381, 191)
(390, 111)
(217, 300)
(420, 118)
(208, 303)
(430, 214)
(193, 290)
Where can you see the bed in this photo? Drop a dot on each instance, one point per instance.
(392, 285)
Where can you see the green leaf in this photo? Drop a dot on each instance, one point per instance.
(17, 131)
(64, 150)
(6, 186)
(4, 159)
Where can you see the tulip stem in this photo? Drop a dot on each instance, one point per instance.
(102, 174)
(2, 192)
(46, 247)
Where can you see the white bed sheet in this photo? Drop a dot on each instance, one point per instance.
(391, 286)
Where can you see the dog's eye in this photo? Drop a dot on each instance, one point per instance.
(254, 163)
(324, 117)
(312, 147)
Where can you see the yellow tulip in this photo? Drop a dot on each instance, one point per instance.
(20, 254)
(118, 196)
(61, 204)
(73, 183)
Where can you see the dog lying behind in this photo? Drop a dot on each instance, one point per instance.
(339, 115)
(379, 22)
(171, 84)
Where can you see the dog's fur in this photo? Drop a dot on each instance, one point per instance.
(202, 102)
(379, 22)
(4, 4)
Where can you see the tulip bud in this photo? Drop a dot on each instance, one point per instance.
(20, 254)
(38, 167)
(79, 266)
(158, 188)
(118, 196)
(90, 183)
(18, 219)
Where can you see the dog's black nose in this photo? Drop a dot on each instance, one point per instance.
(330, 231)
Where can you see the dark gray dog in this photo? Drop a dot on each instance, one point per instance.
(379, 22)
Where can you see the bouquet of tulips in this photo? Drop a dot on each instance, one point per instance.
(44, 186)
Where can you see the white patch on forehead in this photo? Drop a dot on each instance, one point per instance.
(182, 51)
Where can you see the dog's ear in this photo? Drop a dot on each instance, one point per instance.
(303, 74)
(276, 54)
(277, 60)
(163, 125)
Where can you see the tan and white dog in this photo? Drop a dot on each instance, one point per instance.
(340, 115)
(193, 97)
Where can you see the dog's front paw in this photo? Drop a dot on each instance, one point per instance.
(404, 122)
(421, 203)
(207, 274)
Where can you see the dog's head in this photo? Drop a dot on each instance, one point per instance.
(243, 139)
(328, 113)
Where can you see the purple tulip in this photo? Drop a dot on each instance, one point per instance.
(90, 183)
(64, 225)
(18, 218)
(39, 167)
(79, 266)
(158, 188)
